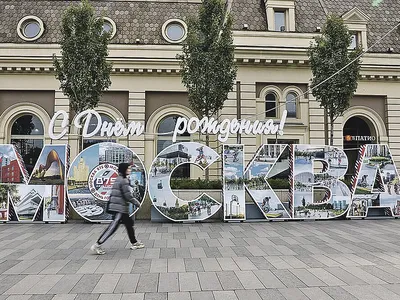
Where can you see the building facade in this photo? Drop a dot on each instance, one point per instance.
(271, 39)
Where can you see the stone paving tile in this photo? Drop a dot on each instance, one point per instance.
(123, 266)
(155, 296)
(197, 252)
(176, 265)
(110, 297)
(293, 293)
(72, 267)
(365, 276)
(64, 297)
(203, 295)
(225, 295)
(270, 294)
(288, 279)
(360, 292)
(107, 283)
(25, 284)
(136, 296)
(189, 282)
(65, 284)
(229, 280)
(247, 295)
(168, 282)
(249, 280)
(141, 266)
(315, 293)
(182, 252)
(87, 297)
(308, 278)
(179, 296)
(45, 284)
(194, 265)
(159, 265)
(86, 284)
(338, 293)
(268, 279)
(147, 283)
(19, 297)
(261, 263)
(127, 283)
(209, 281)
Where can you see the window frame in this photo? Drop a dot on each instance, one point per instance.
(285, 19)
(22, 24)
(174, 21)
(296, 97)
(271, 92)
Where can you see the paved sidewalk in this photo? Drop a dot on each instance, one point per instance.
(248, 261)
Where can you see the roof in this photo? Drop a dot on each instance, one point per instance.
(143, 19)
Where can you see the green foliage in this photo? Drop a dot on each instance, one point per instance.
(201, 184)
(8, 188)
(194, 184)
(279, 184)
(83, 71)
(328, 54)
(207, 62)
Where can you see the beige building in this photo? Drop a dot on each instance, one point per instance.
(271, 38)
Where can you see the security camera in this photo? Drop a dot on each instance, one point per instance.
(137, 41)
(245, 26)
(390, 50)
(318, 29)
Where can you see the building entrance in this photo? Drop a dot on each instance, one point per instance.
(356, 132)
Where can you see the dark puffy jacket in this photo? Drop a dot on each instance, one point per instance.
(121, 196)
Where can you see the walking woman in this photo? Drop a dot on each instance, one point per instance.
(121, 196)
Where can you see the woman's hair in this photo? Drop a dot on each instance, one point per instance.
(122, 169)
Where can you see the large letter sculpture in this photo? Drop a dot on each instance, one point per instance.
(319, 195)
(40, 197)
(163, 198)
(270, 162)
(233, 183)
(92, 175)
(376, 183)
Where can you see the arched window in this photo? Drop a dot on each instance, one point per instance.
(270, 105)
(165, 131)
(27, 134)
(291, 104)
(97, 138)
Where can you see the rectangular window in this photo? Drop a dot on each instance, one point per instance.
(270, 105)
(354, 41)
(280, 20)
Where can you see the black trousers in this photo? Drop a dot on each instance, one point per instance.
(117, 219)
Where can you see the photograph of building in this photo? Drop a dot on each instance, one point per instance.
(271, 40)
(50, 166)
(27, 199)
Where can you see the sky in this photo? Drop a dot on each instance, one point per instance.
(90, 156)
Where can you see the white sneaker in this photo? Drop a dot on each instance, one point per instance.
(137, 245)
(97, 249)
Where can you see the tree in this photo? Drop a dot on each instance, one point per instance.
(329, 54)
(83, 71)
(207, 62)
